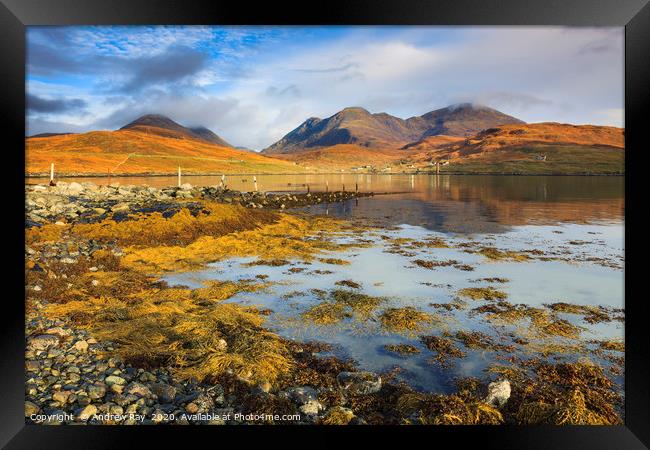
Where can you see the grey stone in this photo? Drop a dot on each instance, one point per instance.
(114, 379)
(86, 413)
(164, 392)
(302, 394)
(498, 393)
(43, 342)
(311, 408)
(138, 389)
(359, 382)
(96, 391)
(31, 408)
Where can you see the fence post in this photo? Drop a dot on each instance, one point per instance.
(51, 172)
(179, 176)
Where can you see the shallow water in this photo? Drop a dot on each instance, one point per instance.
(449, 203)
(578, 222)
(383, 273)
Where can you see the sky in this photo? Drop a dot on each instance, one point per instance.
(252, 85)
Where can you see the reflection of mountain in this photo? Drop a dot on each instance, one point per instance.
(483, 204)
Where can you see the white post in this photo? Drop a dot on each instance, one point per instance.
(255, 182)
(179, 176)
(52, 172)
(223, 181)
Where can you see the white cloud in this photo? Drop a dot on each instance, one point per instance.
(252, 97)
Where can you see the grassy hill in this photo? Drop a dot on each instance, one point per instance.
(560, 159)
(542, 148)
(344, 157)
(142, 151)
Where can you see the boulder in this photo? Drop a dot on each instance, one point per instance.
(359, 382)
(498, 393)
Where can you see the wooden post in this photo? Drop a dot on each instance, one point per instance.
(437, 167)
(308, 189)
(51, 172)
(343, 187)
(223, 181)
(327, 186)
(255, 182)
(179, 176)
(356, 187)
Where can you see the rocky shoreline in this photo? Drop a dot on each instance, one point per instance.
(85, 277)
(88, 202)
(70, 377)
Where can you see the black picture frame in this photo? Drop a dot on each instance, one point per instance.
(634, 15)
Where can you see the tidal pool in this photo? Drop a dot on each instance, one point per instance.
(575, 263)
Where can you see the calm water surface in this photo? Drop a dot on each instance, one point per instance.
(579, 220)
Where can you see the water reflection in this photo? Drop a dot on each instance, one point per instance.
(449, 203)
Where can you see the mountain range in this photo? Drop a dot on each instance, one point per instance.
(360, 127)
(467, 138)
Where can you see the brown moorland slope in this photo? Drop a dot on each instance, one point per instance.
(513, 137)
(344, 156)
(142, 150)
(546, 147)
(516, 148)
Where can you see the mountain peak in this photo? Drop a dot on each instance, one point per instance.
(356, 125)
(154, 120)
(353, 112)
(165, 123)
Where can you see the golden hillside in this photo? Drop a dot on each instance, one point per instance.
(344, 156)
(142, 151)
(530, 148)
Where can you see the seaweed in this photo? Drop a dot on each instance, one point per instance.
(406, 319)
(483, 293)
(402, 349)
(444, 348)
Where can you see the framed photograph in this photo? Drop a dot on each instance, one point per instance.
(404, 217)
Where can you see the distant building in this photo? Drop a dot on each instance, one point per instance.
(540, 157)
